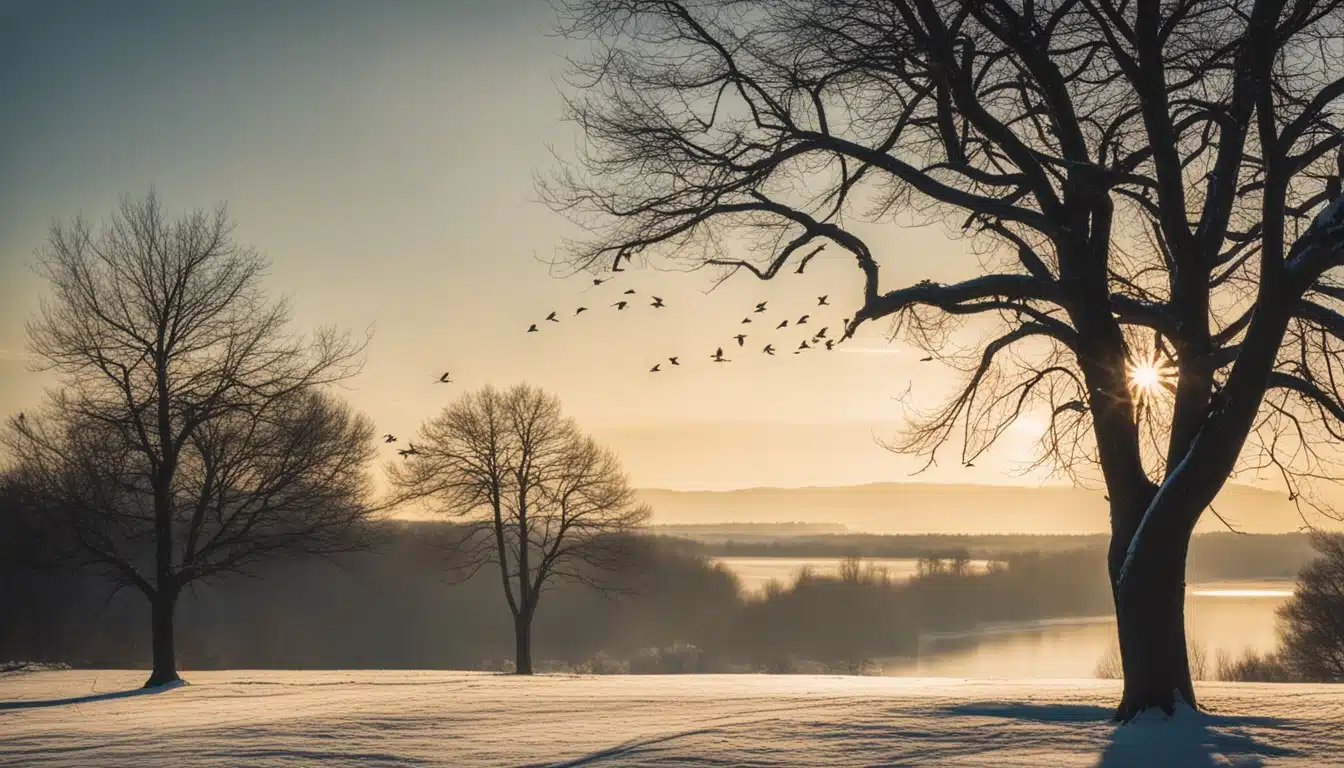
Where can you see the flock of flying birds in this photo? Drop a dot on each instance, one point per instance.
(410, 449)
(818, 340)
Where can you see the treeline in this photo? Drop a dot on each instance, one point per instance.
(394, 607)
(1212, 556)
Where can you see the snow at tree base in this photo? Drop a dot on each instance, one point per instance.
(339, 718)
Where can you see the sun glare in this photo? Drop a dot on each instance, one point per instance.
(1150, 378)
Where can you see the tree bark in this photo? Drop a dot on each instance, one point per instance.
(1150, 618)
(165, 654)
(522, 631)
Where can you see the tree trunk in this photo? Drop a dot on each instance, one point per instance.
(522, 632)
(1150, 617)
(165, 654)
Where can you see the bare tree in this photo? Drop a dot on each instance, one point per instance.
(536, 498)
(190, 435)
(1153, 188)
(1311, 624)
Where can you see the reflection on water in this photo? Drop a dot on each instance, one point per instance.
(1224, 617)
(754, 572)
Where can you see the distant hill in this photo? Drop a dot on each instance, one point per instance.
(946, 508)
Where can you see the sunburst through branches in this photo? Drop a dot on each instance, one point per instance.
(1150, 379)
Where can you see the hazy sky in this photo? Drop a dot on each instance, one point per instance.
(382, 155)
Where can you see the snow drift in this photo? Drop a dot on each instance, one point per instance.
(366, 718)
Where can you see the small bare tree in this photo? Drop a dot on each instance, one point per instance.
(190, 435)
(536, 497)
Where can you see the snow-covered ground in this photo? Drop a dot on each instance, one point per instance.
(464, 719)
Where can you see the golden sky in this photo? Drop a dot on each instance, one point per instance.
(382, 155)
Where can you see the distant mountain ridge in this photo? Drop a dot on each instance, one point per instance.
(948, 508)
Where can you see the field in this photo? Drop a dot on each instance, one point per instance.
(336, 718)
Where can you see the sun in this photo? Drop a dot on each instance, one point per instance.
(1150, 378)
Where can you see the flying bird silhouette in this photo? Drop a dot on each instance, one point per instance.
(769, 349)
(822, 333)
(598, 281)
(970, 465)
(551, 317)
(444, 379)
(822, 302)
(655, 368)
(580, 310)
(410, 451)
(741, 339)
(718, 356)
(657, 303)
(673, 361)
(745, 320)
(803, 346)
(630, 292)
(761, 306)
(926, 359)
(802, 320)
(389, 438)
(830, 345)
(532, 328)
(620, 305)
(782, 324)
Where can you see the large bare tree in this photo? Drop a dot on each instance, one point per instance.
(189, 434)
(1153, 187)
(534, 496)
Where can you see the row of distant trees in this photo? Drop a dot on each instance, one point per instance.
(192, 435)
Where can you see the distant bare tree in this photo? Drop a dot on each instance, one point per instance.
(1311, 623)
(190, 435)
(1153, 187)
(537, 498)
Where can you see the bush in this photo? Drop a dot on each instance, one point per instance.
(1311, 624)
(1253, 667)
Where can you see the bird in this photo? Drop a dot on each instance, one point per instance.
(411, 451)
(970, 465)
(802, 320)
(389, 438)
(926, 359)
(822, 333)
(741, 339)
(803, 346)
(532, 328)
(657, 303)
(830, 345)
(655, 368)
(769, 349)
(673, 361)
(444, 379)
(761, 306)
(620, 305)
(782, 323)
(598, 281)
(745, 320)
(580, 310)
(718, 356)
(630, 292)
(821, 301)
(551, 317)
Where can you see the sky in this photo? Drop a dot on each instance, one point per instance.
(383, 156)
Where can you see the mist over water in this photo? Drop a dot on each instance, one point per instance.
(1224, 617)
